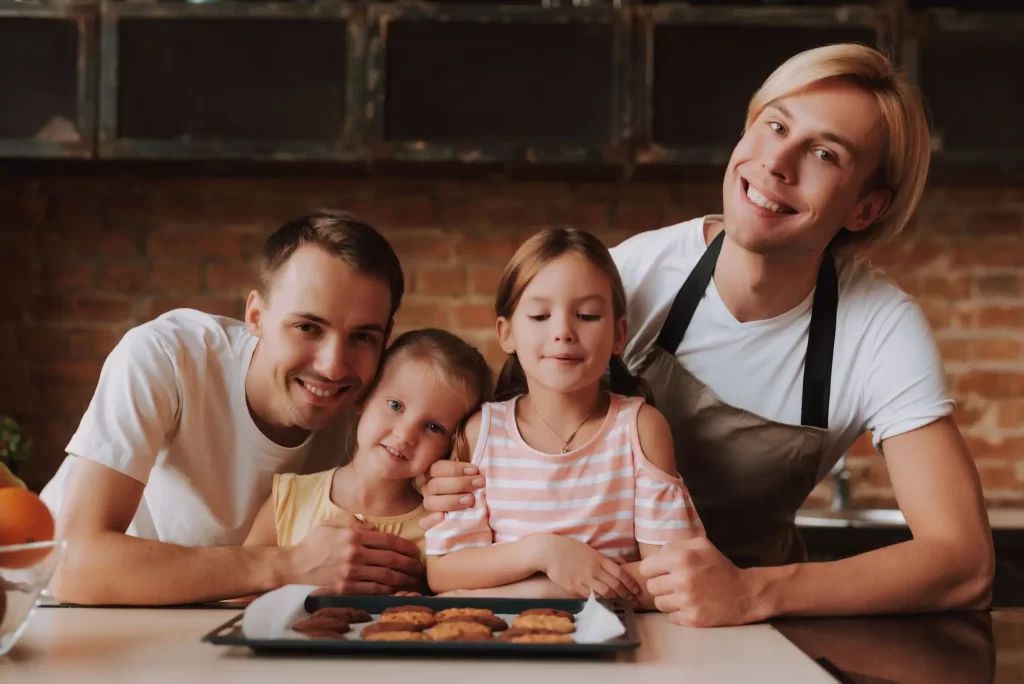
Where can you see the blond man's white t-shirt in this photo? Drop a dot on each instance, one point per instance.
(887, 373)
(170, 411)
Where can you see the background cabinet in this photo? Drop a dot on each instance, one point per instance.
(614, 83)
(230, 80)
(47, 79)
(498, 83)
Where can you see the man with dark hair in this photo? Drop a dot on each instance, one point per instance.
(194, 414)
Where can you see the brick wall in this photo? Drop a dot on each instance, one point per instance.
(87, 255)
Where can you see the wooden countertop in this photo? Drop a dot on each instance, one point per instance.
(163, 645)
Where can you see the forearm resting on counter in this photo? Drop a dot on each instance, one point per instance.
(917, 575)
(114, 568)
(483, 567)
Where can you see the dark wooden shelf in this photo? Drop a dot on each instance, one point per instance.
(47, 85)
(680, 103)
(628, 86)
(968, 67)
(230, 80)
(498, 83)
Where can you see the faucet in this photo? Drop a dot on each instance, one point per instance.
(840, 485)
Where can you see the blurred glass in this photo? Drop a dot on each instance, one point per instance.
(23, 586)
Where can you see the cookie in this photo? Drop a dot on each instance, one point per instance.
(468, 637)
(322, 623)
(449, 613)
(550, 611)
(323, 635)
(511, 634)
(396, 636)
(552, 622)
(495, 623)
(459, 630)
(350, 615)
(416, 618)
(408, 609)
(542, 639)
(379, 627)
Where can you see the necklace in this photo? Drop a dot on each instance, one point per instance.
(565, 444)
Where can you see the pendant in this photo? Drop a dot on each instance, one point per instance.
(565, 450)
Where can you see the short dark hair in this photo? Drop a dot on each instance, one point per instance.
(343, 235)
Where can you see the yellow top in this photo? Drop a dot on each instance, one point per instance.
(301, 502)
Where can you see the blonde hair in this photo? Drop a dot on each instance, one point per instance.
(533, 255)
(906, 154)
(460, 365)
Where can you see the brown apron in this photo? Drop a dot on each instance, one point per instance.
(747, 475)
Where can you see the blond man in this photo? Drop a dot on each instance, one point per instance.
(771, 347)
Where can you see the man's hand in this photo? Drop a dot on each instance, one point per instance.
(698, 586)
(346, 556)
(580, 569)
(450, 487)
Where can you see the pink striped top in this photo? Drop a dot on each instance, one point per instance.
(605, 492)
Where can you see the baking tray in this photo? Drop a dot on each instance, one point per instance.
(230, 633)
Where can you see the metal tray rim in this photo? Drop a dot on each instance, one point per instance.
(628, 641)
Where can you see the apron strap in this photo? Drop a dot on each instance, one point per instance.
(820, 339)
(688, 297)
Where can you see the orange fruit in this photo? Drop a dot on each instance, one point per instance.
(24, 519)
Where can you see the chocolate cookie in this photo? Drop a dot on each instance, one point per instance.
(350, 615)
(321, 623)
(514, 632)
(543, 639)
(378, 627)
(408, 609)
(495, 623)
(459, 630)
(396, 636)
(550, 611)
(552, 622)
(449, 613)
(416, 618)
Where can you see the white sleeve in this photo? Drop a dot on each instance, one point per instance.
(904, 388)
(134, 410)
(635, 258)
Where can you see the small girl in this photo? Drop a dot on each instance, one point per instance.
(430, 382)
(581, 481)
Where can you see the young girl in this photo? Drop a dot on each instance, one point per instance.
(581, 482)
(430, 382)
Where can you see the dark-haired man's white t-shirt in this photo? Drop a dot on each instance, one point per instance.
(887, 374)
(170, 411)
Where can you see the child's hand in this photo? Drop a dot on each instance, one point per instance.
(576, 567)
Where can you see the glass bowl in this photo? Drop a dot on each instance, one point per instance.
(25, 571)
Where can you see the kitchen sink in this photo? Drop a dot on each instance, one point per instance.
(1000, 518)
(861, 517)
